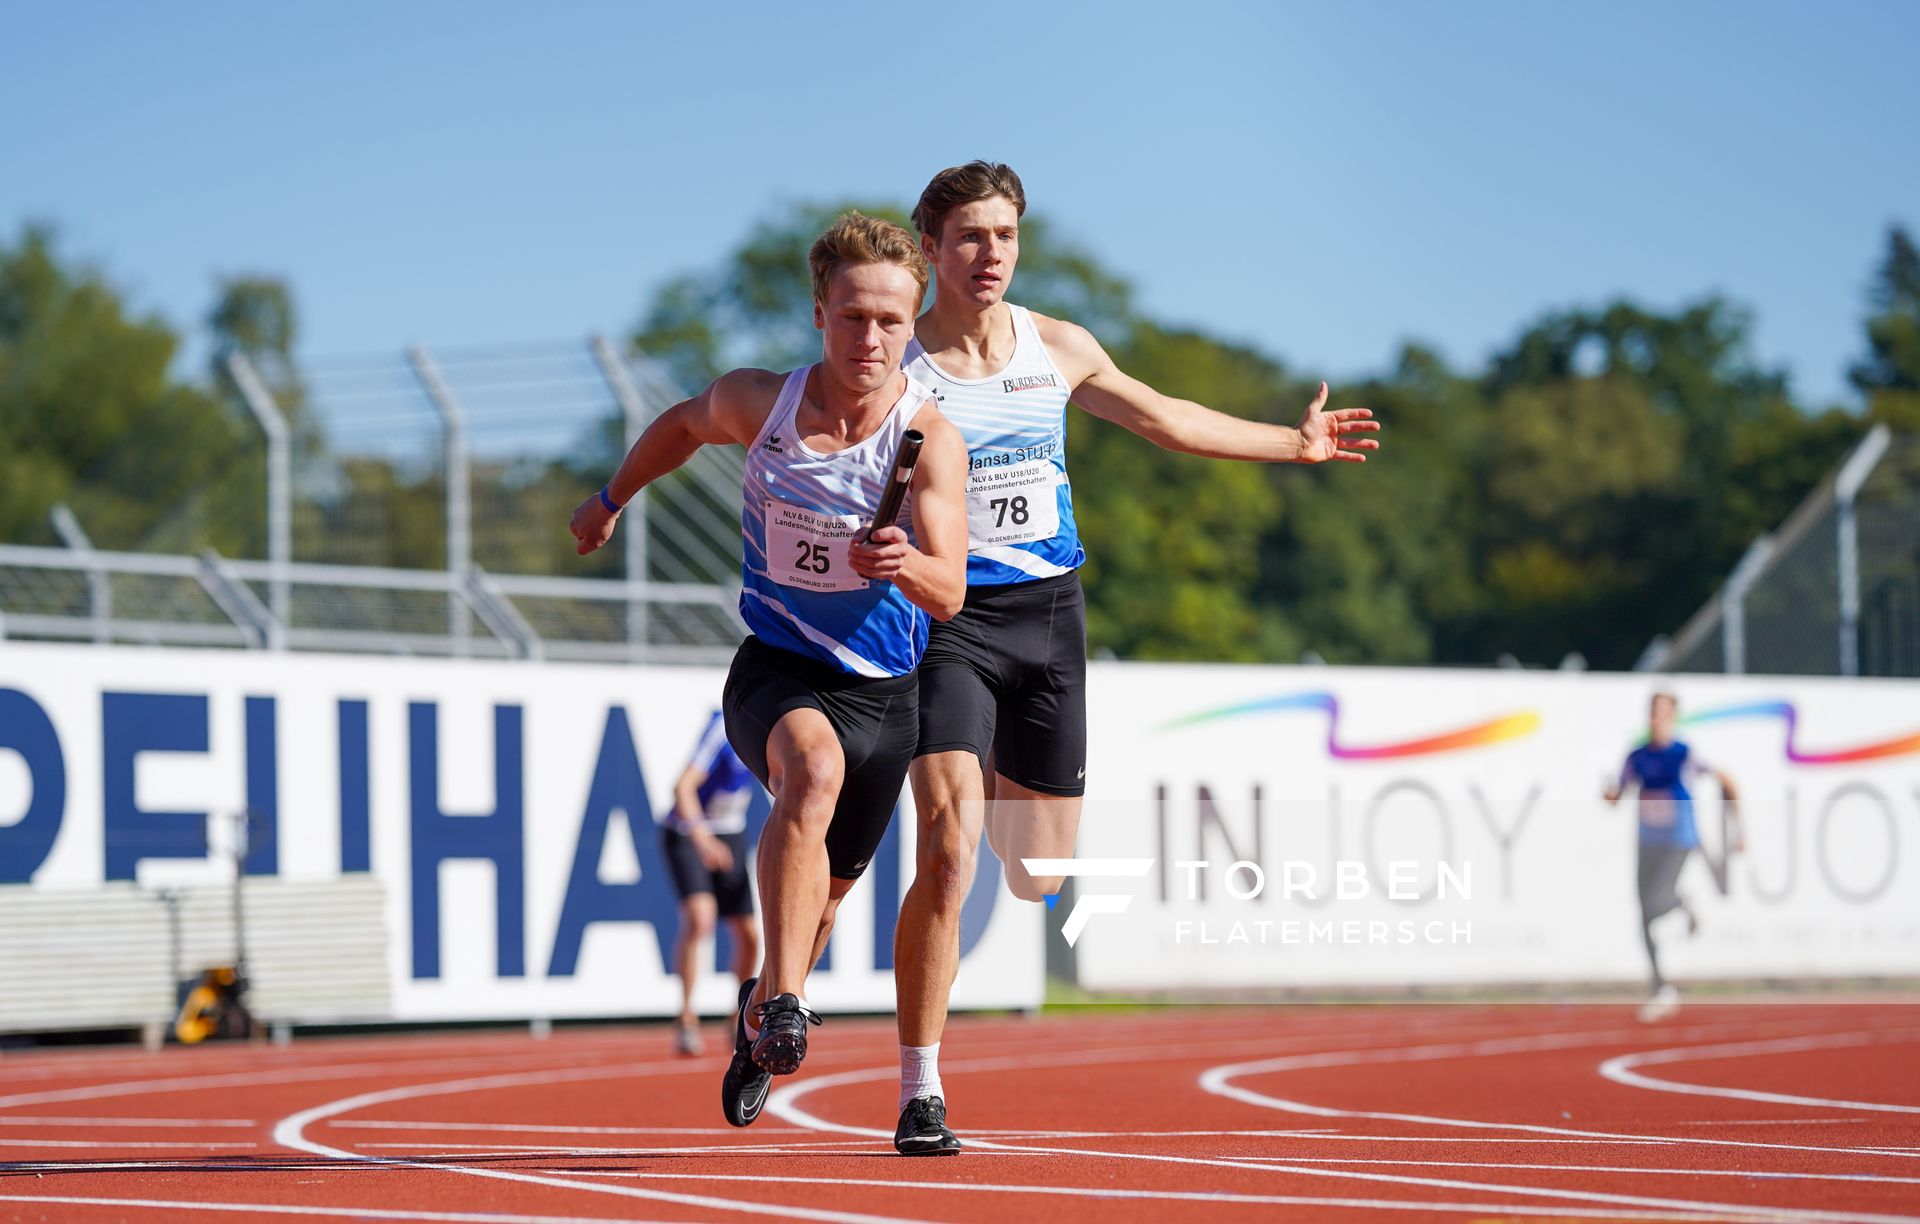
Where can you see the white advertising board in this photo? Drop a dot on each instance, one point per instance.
(1492, 779)
(507, 808)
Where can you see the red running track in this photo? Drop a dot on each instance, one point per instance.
(1727, 1112)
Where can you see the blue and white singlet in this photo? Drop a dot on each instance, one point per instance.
(728, 787)
(1666, 805)
(1019, 504)
(801, 511)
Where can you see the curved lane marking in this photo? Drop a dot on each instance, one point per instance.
(1621, 1070)
(784, 1103)
(1219, 1081)
(290, 1132)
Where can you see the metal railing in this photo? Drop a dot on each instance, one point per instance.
(497, 443)
(1835, 590)
(157, 600)
(399, 488)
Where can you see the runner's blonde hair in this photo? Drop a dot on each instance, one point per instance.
(859, 239)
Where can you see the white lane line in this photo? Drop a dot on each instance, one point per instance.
(529, 1128)
(850, 1148)
(1503, 1140)
(1022, 1134)
(1219, 1081)
(1754, 1174)
(213, 1062)
(139, 1123)
(1621, 1069)
(1191, 1196)
(552, 1149)
(252, 1164)
(290, 1075)
(308, 1073)
(1774, 1122)
(290, 1132)
(784, 1104)
(1140, 1134)
(339, 1213)
(114, 1143)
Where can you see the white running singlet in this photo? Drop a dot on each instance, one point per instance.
(800, 512)
(1019, 504)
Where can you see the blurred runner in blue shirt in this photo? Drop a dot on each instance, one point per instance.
(704, 836)
(1661, 768)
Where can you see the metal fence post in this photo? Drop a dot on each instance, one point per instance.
(237, 600)
(1733, 604)
(633, 410)
(260, 401)
(99, 583)
(1846, 487)
(459, 504)
(1654, 657)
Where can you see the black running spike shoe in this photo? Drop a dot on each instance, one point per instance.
(782, 1044)
(923, 1129)
(743, 1093)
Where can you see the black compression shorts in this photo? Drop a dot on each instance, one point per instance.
(1008, 675)
(731, 896)
(875, 720)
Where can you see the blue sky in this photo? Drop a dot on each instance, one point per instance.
(1323, 181)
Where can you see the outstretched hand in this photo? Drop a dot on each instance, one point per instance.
(1335, 435)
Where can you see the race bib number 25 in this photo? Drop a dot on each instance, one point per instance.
(809, 550)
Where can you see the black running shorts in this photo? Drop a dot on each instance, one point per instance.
(1009, 675)
(875, 720)
(731, 896)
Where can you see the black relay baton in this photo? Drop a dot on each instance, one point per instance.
(896, 490)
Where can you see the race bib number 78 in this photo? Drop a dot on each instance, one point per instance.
(1012, 505)
(809, 550)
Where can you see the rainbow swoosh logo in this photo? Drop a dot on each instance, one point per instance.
(1499, 730)
(1901, 746)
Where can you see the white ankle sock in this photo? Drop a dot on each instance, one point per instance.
(920, 1072)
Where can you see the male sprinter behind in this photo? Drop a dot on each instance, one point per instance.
(704, 838)
(821, 700)
(1662, 767)
(1005, 681)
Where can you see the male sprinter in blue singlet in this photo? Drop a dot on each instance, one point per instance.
(1662, 767)
(704, 838)
(1005, 681)
(821, 700)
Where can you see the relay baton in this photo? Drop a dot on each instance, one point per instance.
(896, 490)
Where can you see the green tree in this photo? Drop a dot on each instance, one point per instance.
(1638, 455)
(1374, 565)
(755, 309)
(90, 416)
(1889, 375)
(1173, 541)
